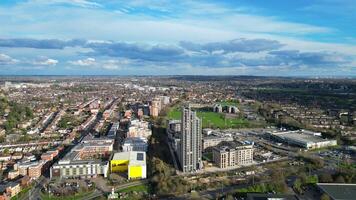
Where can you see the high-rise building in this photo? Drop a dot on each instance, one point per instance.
(190, 148)
(155, 107)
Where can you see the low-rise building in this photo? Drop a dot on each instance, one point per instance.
(213, 140)
(231, 154)
(135, 144)
(139, 128)
(35, 170)
(303, 139)
(79, 168)
(13, 174)
(13, 188)
(32, 169)
(133, 162)
(84, 160)
(338, 191)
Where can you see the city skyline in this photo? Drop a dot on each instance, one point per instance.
(82, 37)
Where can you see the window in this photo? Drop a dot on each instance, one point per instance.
(140, 156)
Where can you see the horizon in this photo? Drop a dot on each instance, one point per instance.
(178, 38)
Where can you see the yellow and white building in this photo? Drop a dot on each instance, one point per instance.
(132, 162)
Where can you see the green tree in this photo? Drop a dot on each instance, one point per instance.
(324, 197)
(340, 179)
(325, 178)
(297, 186)
(6, 151)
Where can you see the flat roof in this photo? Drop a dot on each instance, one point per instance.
(339, 191)
(134, 157)
(300, 136)
(231, 145)
(135, 141)
(121, 156)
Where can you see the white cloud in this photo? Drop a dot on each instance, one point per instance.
(115, 64)
(84, 62)
(46, 62)
(80, 3)
(5, 59)
(211, 23)
(111, 64)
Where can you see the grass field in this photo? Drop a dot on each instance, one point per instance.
(81, 195)
(212, 119)
(137, 188)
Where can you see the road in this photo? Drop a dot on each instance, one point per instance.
(34, 192)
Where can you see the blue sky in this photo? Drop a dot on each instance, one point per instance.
(139, 37)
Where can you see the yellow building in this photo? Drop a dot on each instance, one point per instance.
(132, 162)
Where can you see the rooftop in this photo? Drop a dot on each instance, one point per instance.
(300, 136)
(230, 145)
(134, 157)
(135, 140)
(339, 190)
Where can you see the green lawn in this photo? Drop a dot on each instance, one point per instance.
(81, 195)
(137, 188)
(212, 119)
(228, 103)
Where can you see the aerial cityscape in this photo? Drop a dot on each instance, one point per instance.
(228, 100)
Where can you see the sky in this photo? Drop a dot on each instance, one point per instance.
(166, 37)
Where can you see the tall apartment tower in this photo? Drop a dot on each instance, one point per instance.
(155, 107)
(190, 151)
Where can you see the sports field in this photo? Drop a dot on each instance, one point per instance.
(212, 119)
(228, 103)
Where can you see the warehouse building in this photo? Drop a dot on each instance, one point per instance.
(302, 138)
(132, 162)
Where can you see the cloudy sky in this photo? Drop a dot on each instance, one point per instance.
(140, 37)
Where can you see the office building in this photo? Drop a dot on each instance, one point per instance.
(190, 148)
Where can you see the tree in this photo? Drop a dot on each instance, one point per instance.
(297, 186)
(326, 178)
(340, 179)
(324, 197)
(6, 151)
